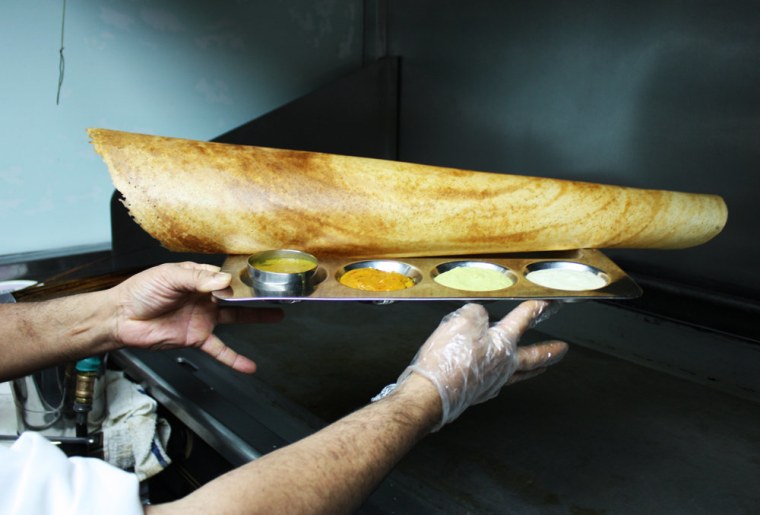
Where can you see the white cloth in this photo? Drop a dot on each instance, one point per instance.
(37, 478)
(134, 438)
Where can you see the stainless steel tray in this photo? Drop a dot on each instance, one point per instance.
(327, 287)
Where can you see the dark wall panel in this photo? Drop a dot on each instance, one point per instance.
(661, 94)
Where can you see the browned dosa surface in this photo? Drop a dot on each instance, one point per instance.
(212, 197)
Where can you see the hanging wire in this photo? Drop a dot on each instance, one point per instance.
(61, 59)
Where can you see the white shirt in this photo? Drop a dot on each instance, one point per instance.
(37, 478)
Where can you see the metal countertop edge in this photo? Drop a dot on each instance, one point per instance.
(233, 448)
(394, 495)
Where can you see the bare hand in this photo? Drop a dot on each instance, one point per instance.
(169, 306)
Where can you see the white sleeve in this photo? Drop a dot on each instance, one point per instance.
(36, 477)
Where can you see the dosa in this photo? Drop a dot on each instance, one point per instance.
(195, 196)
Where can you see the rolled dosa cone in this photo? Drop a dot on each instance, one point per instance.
(218, 198)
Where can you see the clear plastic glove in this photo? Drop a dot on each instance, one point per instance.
(469, 363)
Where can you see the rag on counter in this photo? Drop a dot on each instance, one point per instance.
(134, 437)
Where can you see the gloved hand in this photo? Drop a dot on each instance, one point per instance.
(469, 363)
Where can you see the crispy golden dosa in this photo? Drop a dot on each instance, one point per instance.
(219, 198)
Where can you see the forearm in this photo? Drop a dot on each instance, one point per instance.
(332, 471)
(36, 335)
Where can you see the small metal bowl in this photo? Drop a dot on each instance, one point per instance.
(451, 265)
(384, 265)
(580, 277)
(282, 284)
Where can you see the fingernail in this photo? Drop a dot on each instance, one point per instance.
(220, 278)
(550, 309)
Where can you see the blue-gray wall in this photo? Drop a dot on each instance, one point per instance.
(654, 94)
(192, 69)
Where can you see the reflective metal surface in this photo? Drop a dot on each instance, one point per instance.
(40, 399)
(327, 287)
(266, 282)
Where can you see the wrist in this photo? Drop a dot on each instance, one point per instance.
(420, 395)
(93, 330)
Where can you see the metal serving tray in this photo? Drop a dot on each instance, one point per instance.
(326, 285)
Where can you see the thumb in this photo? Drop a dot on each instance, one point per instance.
(199, 277)
(212, 281)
